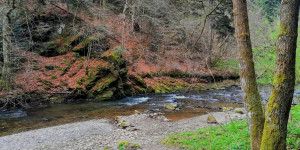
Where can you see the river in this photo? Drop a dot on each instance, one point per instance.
(188, 104)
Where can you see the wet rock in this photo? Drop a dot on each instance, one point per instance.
(155, 114)
(106, 95)
(2, 128)
(211, 119)
(46, 119)
(80, 117)
(151, 111)
(166, 120)
(225, 109)
(239, 110)
(43, 106)
(170, 106)
(15, 113)
(124, 125)
(57, 99)
(137, 112)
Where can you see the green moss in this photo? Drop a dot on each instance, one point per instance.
(123, 124)
(113, 55)
(106, 148)
(140, 90)
(56, 99)
(66, 69)
(125, 145)
(122, 145)
(172, 80)
(239, 111)
(84, 43)
(36, 68)
(106, 95)
(278, 80)
(134, 145)
(140, 81)
(80, 65)
(76, 55)
(106, 81)
(285, 31)
(272, 134)
(170, 106)
(73, 74)
(80, 81)
(53, 77)
(48, 83)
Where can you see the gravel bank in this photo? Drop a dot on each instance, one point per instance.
(146, 129)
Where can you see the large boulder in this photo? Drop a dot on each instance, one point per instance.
(109, 80)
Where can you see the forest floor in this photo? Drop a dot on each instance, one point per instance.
(146, 130)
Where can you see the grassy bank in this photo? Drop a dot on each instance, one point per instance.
(233, 136)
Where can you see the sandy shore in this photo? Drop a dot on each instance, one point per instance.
(147, 130)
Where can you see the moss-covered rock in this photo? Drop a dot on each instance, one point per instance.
(78, 92)
(56, 99)
(59, 46)
(106, 95)
(170, 106)
(108, 80)
(101, 85)
(114, 55)
(211, 119)
(139, 81)
(100, 38)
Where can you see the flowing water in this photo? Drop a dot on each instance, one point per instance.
(188, 104)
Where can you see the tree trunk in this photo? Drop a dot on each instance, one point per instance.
(133, 9)
(6, 78)
(251, 95)
(124, 24)
(279, 105)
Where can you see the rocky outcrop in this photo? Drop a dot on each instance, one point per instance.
(109, 80)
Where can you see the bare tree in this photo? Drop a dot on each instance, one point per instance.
(6, 78)
(124, 23)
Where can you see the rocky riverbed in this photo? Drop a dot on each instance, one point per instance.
(146, 129)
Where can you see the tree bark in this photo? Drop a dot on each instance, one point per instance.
(6, 78)
(279, 105)
(251, 95)
(124, 24)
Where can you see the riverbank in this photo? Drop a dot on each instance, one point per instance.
(146, 130)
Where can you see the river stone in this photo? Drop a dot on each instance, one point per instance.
(137, 112)
(211, 119)
(225, 109)
(239, 110)
(125, 124)
(170, 106)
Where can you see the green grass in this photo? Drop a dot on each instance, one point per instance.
(233, 136)
(293, 139)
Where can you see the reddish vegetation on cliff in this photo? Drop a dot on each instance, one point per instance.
(66, 71)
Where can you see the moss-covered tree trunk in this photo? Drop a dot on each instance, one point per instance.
(6, 78)
(251, 95)
(275, 128)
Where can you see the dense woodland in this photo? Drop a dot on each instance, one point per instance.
(57, 51)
